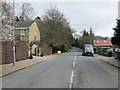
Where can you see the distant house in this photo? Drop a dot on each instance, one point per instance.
(28, 31)
(101, 45)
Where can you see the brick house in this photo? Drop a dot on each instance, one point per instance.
(101, 45)
(28, 31)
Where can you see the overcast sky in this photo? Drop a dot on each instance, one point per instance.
(101, 16)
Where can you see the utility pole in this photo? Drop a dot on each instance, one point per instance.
(91, 36)
(14, 54)
(119, 10)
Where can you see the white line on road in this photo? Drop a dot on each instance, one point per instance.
(75, 55)
(71, 80)
(74, 65)
(72, 74)
(74, 59)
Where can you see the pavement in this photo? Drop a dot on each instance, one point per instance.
(70, 70)
(19, 65)
(110, 60)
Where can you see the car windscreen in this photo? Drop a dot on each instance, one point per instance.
(89, 48)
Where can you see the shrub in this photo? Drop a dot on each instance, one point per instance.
(42, 54)
(65, 48)
(117, 55)
(31, 57)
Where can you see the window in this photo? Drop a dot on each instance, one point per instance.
(10, 34)
(23, 32)
(104, 41)
(35, 36)
(97, 41)
(0, 33)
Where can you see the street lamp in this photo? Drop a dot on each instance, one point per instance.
(14, 55)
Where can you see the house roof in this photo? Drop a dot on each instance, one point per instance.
(39, 22)
(102, 43)
(23, 24)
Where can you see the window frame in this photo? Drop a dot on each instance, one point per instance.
(23, 32)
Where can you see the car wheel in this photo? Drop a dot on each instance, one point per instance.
(92, 55)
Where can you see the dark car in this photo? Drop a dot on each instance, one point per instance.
(110, 52)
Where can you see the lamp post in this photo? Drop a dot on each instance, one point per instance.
(119, 10)
(14, 55)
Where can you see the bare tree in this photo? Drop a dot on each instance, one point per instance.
(27, 11)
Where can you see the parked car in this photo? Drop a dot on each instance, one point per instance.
(88, 50)
(110, 52)
(117, 53)
(117, 49)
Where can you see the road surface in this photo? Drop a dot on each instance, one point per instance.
(70, 70)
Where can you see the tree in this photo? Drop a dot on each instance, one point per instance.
(56, 28)
(77, 42)
(85, 33)
(92, 36)
(85, 38)
(115, 40)
(6, 18)
(26, 10)
(100, 38)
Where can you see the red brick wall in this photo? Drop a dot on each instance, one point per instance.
(7, 51)
(21, 51)
(46, 49)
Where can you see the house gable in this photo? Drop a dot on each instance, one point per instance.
(34, 32)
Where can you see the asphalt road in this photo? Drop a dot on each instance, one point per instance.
(91, 72)
(65, 71)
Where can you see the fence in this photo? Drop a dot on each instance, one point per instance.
(7, 51)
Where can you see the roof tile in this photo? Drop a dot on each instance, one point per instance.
(102, 43)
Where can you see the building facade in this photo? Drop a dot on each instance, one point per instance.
(28, 32)
(101, 45)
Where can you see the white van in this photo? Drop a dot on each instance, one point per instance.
(88, 50)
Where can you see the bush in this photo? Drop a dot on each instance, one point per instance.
(103, 53)
(65, 48)
(42, 54)
(31, 57)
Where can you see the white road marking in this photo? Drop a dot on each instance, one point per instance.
(72, 74)
(74, 58)
(71, 80)
(75, 54)
(74, 65)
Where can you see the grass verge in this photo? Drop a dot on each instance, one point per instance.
(58, 53)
